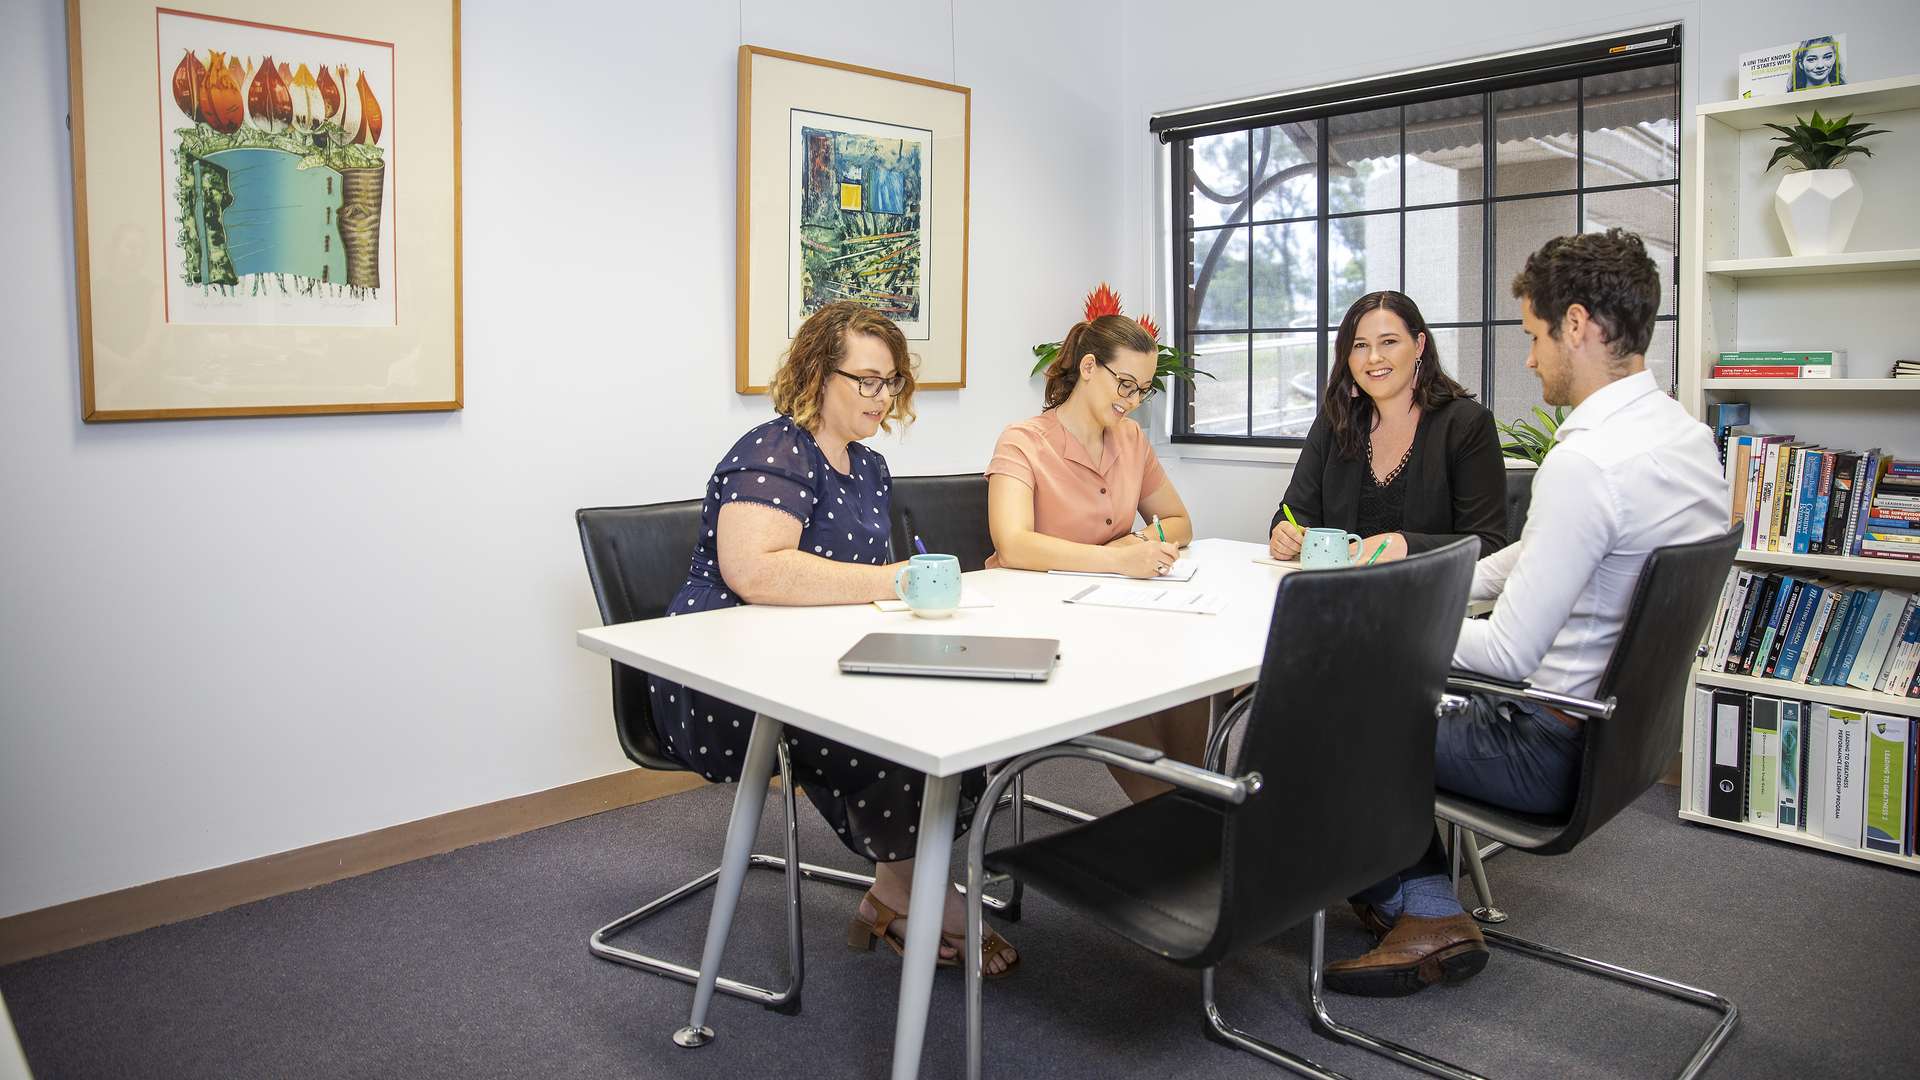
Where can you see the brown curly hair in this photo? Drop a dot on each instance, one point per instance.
(799, 386)
(1610, 274)
(1103, 337)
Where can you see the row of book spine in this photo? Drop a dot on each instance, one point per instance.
(1848, 776)
(1816, 631)
(1790, 496)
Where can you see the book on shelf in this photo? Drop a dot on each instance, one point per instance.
(1726, 780)
(1816, 631)
(1793, 765)
(1763, 761)
(1843, 775)
(1787, 364)
(1844, 800)
(1905, 369)
(1796, 497)
(1892, 526)
(1884, 819)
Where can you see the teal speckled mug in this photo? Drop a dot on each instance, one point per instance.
(930, 584)
(1326, 547)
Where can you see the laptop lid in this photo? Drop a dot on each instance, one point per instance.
(952, 656)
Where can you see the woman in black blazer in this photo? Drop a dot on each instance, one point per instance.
(1400, 452)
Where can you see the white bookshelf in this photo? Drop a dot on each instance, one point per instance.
(1733, 388)
(1743, 288)
(1849, 262)
(1844, 696)
(1792, 836)
(1842, 565)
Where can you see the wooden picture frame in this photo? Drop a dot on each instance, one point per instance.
(853, 184)
(243, 243)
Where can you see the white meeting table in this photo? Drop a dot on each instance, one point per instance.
(782, 662)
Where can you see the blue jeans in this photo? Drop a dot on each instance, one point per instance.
(1507, 752)
(1500, 750)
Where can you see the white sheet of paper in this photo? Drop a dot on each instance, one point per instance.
(1182, 570)
(1151, 598)
(968, 598)
(1264, 561)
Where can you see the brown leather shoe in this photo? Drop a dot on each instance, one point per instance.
(1370, 917)
(1415, 954)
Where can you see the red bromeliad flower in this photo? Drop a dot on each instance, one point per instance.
(1152, 328)
(1102, 301)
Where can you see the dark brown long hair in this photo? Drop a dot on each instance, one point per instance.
(1103, 337)
(1349, 409)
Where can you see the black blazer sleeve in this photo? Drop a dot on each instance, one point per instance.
(1303, 495)
(1477, 477)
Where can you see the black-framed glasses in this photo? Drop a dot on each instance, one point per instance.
(1129, 388)
(870, 384)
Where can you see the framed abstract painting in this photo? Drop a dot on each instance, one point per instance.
(244, 244)
(852, 186)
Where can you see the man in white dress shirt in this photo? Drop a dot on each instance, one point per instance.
(1630, 472)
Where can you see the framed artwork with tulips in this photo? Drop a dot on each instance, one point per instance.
(853, 186)
(244, 244)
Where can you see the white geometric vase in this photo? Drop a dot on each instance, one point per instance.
(1817, 209)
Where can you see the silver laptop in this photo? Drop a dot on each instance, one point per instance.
(953, 656)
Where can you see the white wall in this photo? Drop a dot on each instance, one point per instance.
(1209, 51)
(222, 639)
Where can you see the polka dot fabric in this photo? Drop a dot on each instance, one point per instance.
(872, 804)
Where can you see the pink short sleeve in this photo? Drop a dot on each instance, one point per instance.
(1013, 455)
(1152, 476)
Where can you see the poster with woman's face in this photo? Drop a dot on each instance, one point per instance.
(1816, 62)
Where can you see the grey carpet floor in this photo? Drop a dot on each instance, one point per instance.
(474, 964)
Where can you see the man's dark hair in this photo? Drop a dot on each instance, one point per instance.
(1607, 273)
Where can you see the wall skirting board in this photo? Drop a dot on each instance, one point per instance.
(125, 911)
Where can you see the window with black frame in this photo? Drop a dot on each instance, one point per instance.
(1438, 183)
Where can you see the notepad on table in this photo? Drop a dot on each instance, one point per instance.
(1181, 570)
(1291, 565)
(1151, 598)
(968, 598)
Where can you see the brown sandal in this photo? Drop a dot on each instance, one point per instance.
(861, 935)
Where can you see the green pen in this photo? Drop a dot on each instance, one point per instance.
(1290, 519)
(1158, 529)
(1376, 552)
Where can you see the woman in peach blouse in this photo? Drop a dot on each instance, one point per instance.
(1064, 489)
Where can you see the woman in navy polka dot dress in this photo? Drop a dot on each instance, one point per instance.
(797, 513)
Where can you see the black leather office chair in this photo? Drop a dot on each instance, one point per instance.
(948, 513)
(637, 557)
(1629, 736)
(1225, 863)
(1519, 498)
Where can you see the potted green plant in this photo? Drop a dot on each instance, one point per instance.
(1527, 442)
(1168, 362)
(1817, 204)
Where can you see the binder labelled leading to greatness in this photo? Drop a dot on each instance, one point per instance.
(1726, 791)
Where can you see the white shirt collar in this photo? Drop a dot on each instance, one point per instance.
(1606, 401)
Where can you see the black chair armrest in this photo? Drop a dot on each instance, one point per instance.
(1505, 686)
(1461, 681)
(1119, 746)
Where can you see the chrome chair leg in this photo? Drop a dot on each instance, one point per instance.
(1326, 1025)
(1475, 856)
(1217, 1029)
(786, 1000)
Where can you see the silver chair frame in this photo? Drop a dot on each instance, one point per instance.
(1593, 711)
(787, 999)
(1150, 763)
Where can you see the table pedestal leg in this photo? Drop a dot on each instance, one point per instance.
(749, 798)
(938, 808)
